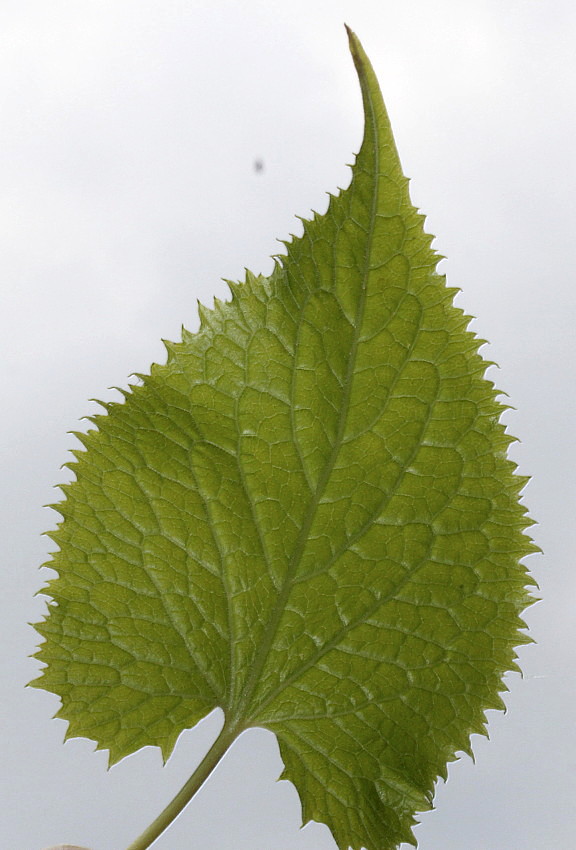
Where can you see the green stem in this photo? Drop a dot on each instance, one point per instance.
(200, 775)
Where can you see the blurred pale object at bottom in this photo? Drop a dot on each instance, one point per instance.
(66, 847)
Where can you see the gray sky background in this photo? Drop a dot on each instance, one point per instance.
(128, 135)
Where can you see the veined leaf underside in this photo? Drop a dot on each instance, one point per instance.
(307, 518)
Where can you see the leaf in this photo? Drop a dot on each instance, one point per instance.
(307, 518)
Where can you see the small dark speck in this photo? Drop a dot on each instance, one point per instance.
(258, 166)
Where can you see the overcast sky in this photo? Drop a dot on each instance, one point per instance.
(128, 135)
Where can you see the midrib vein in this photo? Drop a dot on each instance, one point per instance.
(266, 644)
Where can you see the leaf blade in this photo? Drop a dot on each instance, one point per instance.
(307, 518)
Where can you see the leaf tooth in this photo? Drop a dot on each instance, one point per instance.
(187, 336)
(52, 534)
(204, 315)
(496, 703)
(480, 341)
(59, 507)
(85, 438)
(531, 549)
(219, 306)
(517, 485)
(498, 393)
(234, 288)
(106, 405)
(71, 465)
(530, 582)
(125, 392)
(505, 440)
(523, 481)
(513, 667)
(466, 748)
(171, 349)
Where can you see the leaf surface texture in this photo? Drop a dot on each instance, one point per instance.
(307, 518)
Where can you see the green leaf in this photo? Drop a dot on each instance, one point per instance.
(307, 518)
